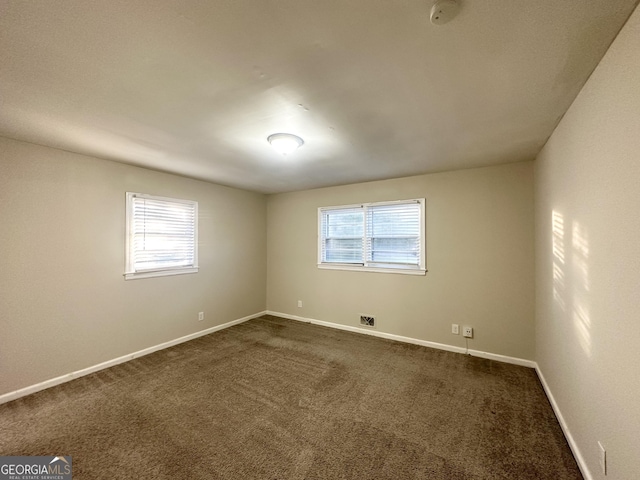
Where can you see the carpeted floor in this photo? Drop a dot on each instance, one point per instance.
(278, 399)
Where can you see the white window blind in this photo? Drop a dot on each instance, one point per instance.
(374, 237)
(393, 234)
(342, 235)
(161, 236)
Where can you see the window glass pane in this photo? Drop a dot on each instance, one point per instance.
(162, 233)
(395, 250)
(394, 220)
(342, 235)
(345, 224)
(393, 233)
(343, 250)
(380, 236)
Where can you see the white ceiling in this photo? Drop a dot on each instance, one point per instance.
(194, 87)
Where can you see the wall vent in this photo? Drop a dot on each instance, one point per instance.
(367, 321)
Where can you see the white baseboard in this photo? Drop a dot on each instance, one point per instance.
(7, 397)
(477, 353)
(503, 358)
(415, 341)
(586, 473)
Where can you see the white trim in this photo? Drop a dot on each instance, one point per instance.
(503, 358)
(414, 341)
(160, 273)
(374, 333)
(344, 266)
(130, 271)
(378, 267)
(7, 397)
(565, 428)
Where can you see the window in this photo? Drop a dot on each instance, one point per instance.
(379, 237)
(162, 236)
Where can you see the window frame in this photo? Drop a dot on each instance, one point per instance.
(377, 267)
(130, 272)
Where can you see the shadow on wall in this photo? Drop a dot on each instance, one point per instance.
(571, 275)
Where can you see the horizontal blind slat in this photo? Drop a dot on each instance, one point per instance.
(377, 234)
(163, 233)
(342, 231)
(393, 233)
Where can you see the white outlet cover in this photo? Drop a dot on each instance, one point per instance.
(455, 329)
(467, 332)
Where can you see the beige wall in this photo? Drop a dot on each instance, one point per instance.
(588, 261)
(479, 257)
(64, 304)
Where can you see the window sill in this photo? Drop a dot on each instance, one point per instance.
(160, 273)
(354, 268)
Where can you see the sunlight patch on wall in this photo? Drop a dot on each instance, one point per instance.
(557, 247)
(582, 325)
(580, 254)
(570, 270)
(580, 293)
(558, 285)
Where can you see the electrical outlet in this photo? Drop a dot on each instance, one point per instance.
(455, 329)
(603, 458)
(467, 332)
(200, 316)
(299, 303)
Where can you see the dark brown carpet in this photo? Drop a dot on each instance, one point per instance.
(278, 399)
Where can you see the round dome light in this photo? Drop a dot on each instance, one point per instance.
(285, 143)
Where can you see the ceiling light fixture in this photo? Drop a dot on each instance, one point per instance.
(285, 143)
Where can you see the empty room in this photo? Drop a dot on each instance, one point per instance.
(320, 240)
